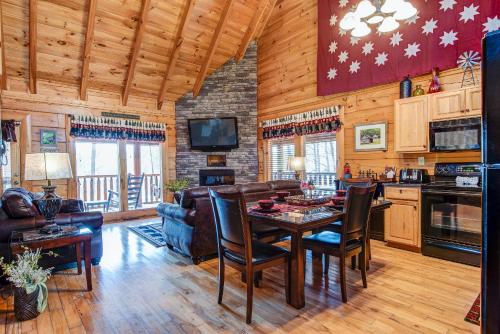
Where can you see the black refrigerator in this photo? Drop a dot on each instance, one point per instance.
(490, 266)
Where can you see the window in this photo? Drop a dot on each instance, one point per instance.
(279, 152)
(321, 158)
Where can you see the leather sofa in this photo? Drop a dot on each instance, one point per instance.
(188, 226)
(19, 211)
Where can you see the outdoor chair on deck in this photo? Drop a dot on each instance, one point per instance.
(134, 186)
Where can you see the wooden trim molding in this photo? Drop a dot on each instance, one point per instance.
(139, 35)
(3, 66)
(265, 19)
(213, 46)
(174, 56)
(251, 29)
(89, 38)
(32, 45)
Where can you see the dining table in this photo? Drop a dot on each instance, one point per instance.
(297, 220)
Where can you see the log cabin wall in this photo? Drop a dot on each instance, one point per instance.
(287, 85)
(50, 109)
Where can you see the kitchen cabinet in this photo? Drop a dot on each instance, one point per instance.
(455, 104)
(474, 102)
(402, 220)
(411, 124)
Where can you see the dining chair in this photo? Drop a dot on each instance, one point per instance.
(358, 181)
(351, 240)
(236, 247)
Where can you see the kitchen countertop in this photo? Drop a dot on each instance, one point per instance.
(402, 185)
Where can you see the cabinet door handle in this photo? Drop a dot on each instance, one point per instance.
(462, 111)
(400, 191)
(467, 110)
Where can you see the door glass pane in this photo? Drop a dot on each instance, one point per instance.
(144, 175)
(97, 171)
(7, 168)
(321, 157)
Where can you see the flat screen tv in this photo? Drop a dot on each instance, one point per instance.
(213, 134)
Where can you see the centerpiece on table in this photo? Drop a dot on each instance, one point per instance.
(28, 278)
(307, 188)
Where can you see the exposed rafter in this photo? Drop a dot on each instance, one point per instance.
(265, 19)
(32, 44)
(139, 34)
(252, 27)
(89, 38)
(213, 46)
(174, 56)
(3, 67)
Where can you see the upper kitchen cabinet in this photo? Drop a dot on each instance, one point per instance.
(455, 104)
(474, 101)
(411, 124)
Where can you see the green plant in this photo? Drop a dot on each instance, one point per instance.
(177, 185)
(25, 273)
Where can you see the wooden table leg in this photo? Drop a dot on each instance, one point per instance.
(297, 272)
(78, 249)
(88, 265)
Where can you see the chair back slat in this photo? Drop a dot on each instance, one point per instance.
(357, 211)
(358, 182)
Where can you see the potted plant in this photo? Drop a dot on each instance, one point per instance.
(178, 185)
(28, 278)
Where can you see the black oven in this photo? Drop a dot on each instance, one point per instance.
(455, 135)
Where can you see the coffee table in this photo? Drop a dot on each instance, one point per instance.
(70, 235)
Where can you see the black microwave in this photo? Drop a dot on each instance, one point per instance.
(455, 135)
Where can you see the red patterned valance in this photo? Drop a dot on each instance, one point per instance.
(310, 122)
(91, 127)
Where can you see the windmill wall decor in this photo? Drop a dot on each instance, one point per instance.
(466, 62)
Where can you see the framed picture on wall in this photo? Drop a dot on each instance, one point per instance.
(48, 140)
(216, 160)
(370, 137)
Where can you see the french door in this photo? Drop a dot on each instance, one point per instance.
(118, 176)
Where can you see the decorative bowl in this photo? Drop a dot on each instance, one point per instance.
(266, 204)
(282, 194)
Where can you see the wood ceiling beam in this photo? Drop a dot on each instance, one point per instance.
(89, 39)
(251, 29)
(265, 19)
(32, 45)
(3, 67)
(219, 30)
(174, 56)
(139, 35)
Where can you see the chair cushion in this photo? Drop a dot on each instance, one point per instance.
(329, 239)
(261, 252)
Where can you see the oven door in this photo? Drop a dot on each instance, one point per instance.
(452, 216)
(458, 137)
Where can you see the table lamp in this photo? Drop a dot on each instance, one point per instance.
(297, 164)
(48, 166)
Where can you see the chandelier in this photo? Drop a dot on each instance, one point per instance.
(385, 14)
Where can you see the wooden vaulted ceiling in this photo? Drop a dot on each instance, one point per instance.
(158, 49)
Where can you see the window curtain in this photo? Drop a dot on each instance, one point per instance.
(9, 131)
(306, 123)
(91, 127)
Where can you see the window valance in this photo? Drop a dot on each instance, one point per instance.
(309, 122)
(91, 127)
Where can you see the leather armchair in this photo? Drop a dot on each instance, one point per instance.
(18, 211)
(189, 228)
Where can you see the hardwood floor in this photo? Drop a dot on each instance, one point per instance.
(142, 289)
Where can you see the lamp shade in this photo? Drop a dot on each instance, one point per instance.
(47, 166)
(297, 164)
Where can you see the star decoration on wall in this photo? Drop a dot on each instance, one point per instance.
(492, 24)
(343, 56)
(429, 26)
(396, 38)
(412, 50)
(381, 59)
(448, 38)
(333, 20)
(332, 74)
(468, 13)
(342, 32)
(343, 3)
(447, 4)
(355, 66)
(368, 48)
(333, 47)
(354, 40)
(413, 19)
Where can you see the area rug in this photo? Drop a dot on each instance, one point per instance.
(475, 312)
(151, 232)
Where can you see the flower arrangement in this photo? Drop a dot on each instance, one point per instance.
(177, 185)
(25, 274)
(304, 185)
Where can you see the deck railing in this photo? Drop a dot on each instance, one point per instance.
(320, 180)
(95, 188)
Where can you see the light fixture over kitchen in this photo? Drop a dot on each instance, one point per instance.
(385, 13)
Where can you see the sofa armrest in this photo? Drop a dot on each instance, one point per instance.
(9, 225)
(175, 212)
(72, 206)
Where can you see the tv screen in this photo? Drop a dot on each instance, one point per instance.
(213, 134)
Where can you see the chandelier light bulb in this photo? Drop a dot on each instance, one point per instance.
(350, 21)
(391, 6)
(361, 30)
(365, 8)
(375, 19)
(389, 24)
(405, 11)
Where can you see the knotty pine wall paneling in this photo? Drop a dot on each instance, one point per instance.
(287, 85)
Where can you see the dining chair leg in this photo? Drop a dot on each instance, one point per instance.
(327, 264)
(287, 280)
(353, 262)
(221, 279)
(249, 277)
(362, 263)
(343, 285)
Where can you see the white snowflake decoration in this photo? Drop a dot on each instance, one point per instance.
(413, 19)
(447, 4)
(492, 24)
(448, 38)
(343, 3)
(396, 38)
(343, 56)
(332, 74)
(412, 50)
(342, 32)
(333, 20)
(429, 26)
(354, 40)
(381, 59)
(468, 13)
(332, 47)
(368, 48)
(355, 66)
